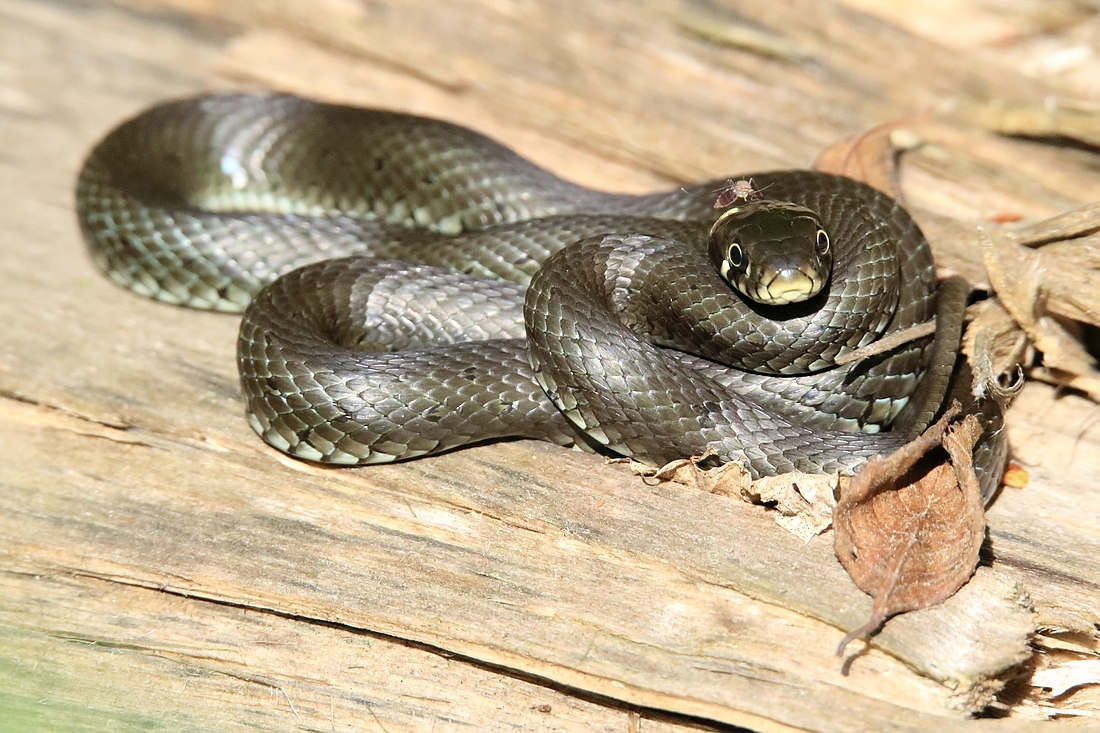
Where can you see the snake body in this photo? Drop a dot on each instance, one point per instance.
(411, 286)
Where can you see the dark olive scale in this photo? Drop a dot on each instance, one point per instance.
(210, 202)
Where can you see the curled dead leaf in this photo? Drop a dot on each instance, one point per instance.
(1039, 288)
(727, 479)
(908, 528)
(1070, 279)
(871, 156)
(803, 502)
(996, 347)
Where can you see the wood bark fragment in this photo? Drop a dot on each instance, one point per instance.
(1048, 118)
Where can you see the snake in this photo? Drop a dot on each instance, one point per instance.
(410, 286)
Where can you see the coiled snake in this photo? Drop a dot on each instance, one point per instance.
(533, 307)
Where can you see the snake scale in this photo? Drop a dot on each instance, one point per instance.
(410, 286)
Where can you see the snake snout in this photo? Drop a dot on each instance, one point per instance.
(789, 285)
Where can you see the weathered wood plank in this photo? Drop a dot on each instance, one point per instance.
(125, 457)
(102, 656)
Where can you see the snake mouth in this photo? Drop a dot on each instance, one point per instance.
(789, 285)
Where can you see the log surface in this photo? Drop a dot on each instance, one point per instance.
(162, 569)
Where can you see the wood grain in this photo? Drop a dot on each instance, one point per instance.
(150, 543)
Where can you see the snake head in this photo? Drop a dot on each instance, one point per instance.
(772, 252)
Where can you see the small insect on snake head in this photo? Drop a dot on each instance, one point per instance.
(772, 252)
(734, 191)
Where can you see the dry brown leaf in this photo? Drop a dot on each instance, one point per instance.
(994, 346)
(1014, 273)
(909, 536)
(1069, 279)
(1061, 278)
(804, 501)
(1032, 285)
(871, 156)
(729, 479)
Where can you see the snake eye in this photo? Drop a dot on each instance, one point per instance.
(735, 255)
(822, 242)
